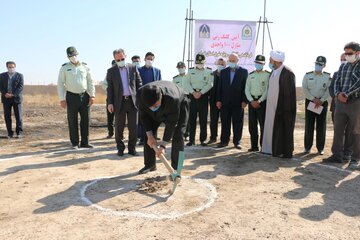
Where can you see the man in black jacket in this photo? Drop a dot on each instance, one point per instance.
(231, 99)
(11, 87)
(162, 102)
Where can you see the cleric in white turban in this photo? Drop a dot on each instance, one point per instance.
(278, 138)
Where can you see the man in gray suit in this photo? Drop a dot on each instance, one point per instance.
(123, 82)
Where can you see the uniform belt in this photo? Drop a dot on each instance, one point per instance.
(197, 90)
(80, 94)
(126, 97)
(256, 98)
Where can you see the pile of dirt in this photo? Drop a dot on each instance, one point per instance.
(153, 185)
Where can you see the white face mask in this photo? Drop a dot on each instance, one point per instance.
(121, 63)
(181, 70)
(199, 66)
(148, 63)
(343, 62)
(351, 58)
(73, 59)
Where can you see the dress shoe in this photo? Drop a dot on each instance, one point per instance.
(134, 153)
(253, 150)
(86, 146)
(221, 145)
(10, 136)
(237, 146)
(346, 157)
(211, 141)
(190, 144)
(147, 169)
(203, 144)
(120, 153)
(354, 165)
(109, 136)
(321, 152)
(306, 151)
(332, 159)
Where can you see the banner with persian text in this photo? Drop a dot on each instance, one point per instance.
(219, 38)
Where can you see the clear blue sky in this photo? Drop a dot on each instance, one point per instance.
(35, 34)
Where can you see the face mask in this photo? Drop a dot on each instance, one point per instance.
(343, 62)
(220, 67)
(155, 109)
(137, 64)
(121, 63)
(73, 59)
(148, 63)
(351, 58)
(318, 68)
(181, 70)
(271, 66)
(11, 70)
(232, 65)
(199, 66)
(258, 66)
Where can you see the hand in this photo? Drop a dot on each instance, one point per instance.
(111, 108)
(341, 97)
(317, 102)
(255, 104)
(243, 105)
(91, 101)
(218, 105)
(9, 95)
(160, 150)
(151, 140)
(63, 104)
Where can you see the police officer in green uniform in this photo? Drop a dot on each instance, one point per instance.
(316, 89)
(179, 80)
(76, 91)
(199, 82)
(256, 93)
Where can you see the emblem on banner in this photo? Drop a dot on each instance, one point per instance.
(246, 33)
(204, 31)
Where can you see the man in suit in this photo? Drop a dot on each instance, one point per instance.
(148, 74)
(162, 102)
(231, 100)
(11, 87)
(109, 115)
(123, 82)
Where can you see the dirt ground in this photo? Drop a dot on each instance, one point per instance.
(49, 191)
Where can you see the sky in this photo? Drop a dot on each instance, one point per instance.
(35, 34)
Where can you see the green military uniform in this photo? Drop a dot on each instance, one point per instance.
(199, 80)
(179, 80)
(316, 86)
(256, 89)
(76, 87)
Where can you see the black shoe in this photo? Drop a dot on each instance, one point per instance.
(253, 150)
(147, 169)
(237, 146)
(86, 146)
(109, 136)
(354, 165)
(190, 144)
(332, 159)
(306, 151)
(211, 141)
(203, 144)
(222, 145)
(134, 153)
(120, 153)
(347, 157)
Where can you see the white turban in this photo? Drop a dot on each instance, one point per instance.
(277, 56)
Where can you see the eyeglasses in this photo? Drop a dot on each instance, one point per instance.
(123, 59)
(349, 54)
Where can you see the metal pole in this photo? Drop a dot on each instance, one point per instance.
(186, 21)
(192, 38)
(190, 35)
(257, 33)
(269, 34)
(265, 20)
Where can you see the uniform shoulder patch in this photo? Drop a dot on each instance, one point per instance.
(192, 68)
(175, 76)
(252, 72)
(327, 73)
(64, 64)
(309, 72)
(267, 71)
(209, 68)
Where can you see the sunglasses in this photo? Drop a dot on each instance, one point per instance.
(349, 54)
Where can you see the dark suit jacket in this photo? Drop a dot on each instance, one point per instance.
(232, 94)
(168, 113)
(17, 86)
(115, 90)
(156, 71)
(213, 91)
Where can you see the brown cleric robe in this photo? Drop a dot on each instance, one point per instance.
(280, 118)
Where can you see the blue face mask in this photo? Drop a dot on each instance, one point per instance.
(181, 70)
(220, 67)
(155, 109)
(271, 66)
(232, 65)
(258, 66)
(318, 68)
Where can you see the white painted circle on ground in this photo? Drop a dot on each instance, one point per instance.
(119, 196)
